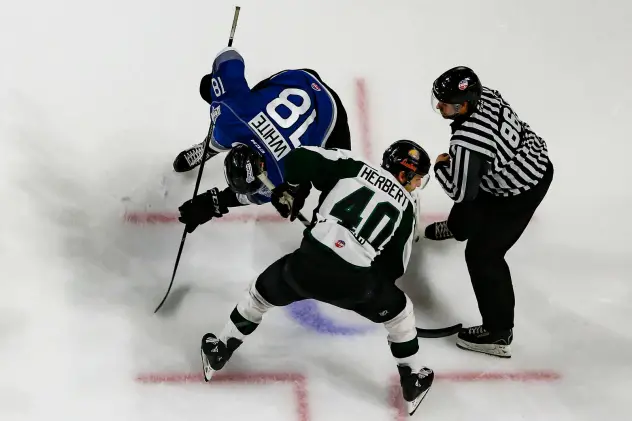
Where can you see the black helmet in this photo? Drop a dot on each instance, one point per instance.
(457, 85)
(242, 166)
(406, 155)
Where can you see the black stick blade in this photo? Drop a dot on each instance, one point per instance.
(439, 333)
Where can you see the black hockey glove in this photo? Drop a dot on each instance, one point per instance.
(289, 199)
(202, 208)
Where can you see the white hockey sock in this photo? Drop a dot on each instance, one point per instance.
(252, 307)
(402, 335)
(230, 331)
(402, 328)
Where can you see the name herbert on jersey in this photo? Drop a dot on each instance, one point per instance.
(268, 133)
(385, 184)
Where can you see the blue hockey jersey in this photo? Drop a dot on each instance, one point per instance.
(287, 110)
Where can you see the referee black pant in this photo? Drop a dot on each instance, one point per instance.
(492, 225)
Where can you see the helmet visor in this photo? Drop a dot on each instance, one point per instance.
(434, 102)
(424, 181)
(445, 109)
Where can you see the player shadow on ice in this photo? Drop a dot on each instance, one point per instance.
(116, 270)
(174, 300)
(110, 263)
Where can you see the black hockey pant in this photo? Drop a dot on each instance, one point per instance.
(314, 272)
(492, 225)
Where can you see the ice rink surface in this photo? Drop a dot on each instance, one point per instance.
(97, 98)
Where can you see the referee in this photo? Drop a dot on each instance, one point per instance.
(497, 172)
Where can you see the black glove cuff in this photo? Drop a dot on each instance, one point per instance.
(442, 164)
(228, 198)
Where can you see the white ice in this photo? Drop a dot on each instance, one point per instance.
(96, 100)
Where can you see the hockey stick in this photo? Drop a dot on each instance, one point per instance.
(439, 333)
(199, 177)
(266, 182)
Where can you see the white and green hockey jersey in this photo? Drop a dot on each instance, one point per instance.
(364, 214)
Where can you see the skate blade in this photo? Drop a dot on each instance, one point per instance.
(411, 407)
(208, 371)
(495, 350)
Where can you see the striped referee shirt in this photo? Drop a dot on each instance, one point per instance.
(493, 150)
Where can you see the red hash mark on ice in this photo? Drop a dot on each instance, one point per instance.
(298, 382)
(397, 402)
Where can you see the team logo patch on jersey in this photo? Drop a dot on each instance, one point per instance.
(215, 112)
(464, 84)
(315, 87)
(340, 244)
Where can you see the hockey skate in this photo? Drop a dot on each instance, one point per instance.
(479, 339)
(415, 386)
(215, 354)
(191, 158)
(438, 231)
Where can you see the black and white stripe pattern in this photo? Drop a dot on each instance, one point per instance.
(454, 178)
(518, 157)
